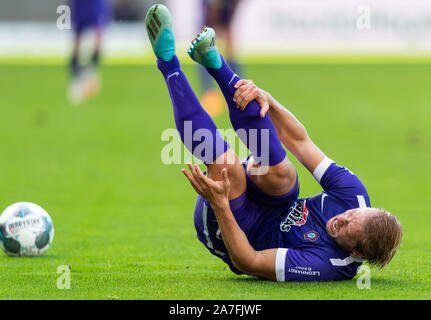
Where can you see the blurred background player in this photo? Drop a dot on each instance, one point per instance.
(87, 15)
(219, 15)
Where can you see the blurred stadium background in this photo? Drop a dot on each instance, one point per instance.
(295, 28)
(123, 219)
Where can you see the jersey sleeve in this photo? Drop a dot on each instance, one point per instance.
(341, 181)
(302, 265)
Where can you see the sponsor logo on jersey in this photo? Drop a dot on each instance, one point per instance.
(297, 216)
(305, 271)
(311, 235)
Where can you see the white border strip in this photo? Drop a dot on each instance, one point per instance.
(361, 201)
(205, 223)
(206, 232)
(280, 262)
(344, 262)
(321, 168)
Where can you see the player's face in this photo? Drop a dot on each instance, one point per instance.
(346, 228)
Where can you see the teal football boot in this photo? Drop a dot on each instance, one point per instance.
(204, 50)
(158, 23)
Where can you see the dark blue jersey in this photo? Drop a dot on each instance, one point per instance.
(306, 251)
(297, 227)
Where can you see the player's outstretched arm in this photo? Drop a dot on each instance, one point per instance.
(242, 254)
(291, 132)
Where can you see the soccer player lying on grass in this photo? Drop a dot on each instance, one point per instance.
(255, 222)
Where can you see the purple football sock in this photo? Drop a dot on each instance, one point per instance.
(258, 134)
(196, 128)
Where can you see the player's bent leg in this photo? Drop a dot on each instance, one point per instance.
(278, 180)
(190, 117)
(258, 134)
(270, 170)
(235, 169)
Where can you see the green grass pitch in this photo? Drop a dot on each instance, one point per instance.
(124, 221)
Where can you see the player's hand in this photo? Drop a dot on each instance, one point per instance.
(247, 91)
(216, 192)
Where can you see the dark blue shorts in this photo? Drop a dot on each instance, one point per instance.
(224, 14)
(257, 214)
(89, 14)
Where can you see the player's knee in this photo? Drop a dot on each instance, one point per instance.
(235, 171)
(227, 160)
(283, 170)
(279, 172)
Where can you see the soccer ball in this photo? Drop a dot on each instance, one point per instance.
(26, 230)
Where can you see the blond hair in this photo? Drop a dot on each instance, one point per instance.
(380, 239)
